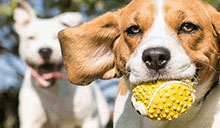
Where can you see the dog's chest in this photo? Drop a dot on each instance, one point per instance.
(58, 103)
(67, 103)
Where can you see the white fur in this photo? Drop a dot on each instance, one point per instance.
(201, 115)
(63, 105)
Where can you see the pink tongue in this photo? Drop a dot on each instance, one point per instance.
(57, 75)
(42, 79)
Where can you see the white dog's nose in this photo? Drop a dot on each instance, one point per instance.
(156, 58)
(45, 53)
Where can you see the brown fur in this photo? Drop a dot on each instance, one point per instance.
(122, 88)
(80, 49)
(201, 46)
(80, 44)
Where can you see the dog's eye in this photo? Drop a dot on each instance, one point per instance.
(133, 30)
(31, 38)
(188, 28)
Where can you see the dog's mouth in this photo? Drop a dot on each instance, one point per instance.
(47, 74)
(49, 68)
(184, 80)
(193, 78)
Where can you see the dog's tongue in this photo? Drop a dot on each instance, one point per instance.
(42, 79)
(56, 75)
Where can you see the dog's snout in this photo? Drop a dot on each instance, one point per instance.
(45, 52)
(156, 58)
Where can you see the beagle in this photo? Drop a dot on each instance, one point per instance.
(145, 41)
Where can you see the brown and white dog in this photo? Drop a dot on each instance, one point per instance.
(145, 41)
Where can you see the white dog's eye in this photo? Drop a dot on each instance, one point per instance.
(31, 38)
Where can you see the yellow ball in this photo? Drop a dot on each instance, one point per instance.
(163, 100)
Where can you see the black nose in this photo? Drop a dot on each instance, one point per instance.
(45, 53)
(156, 58)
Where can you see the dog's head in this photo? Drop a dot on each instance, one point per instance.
(39, 45)
(145, 41)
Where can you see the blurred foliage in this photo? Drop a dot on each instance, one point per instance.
(7, 35)
(7, 10)
(89, 7)
(215, 3)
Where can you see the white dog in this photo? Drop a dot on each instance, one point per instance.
(46, 99)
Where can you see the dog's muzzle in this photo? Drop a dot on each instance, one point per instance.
(43, 79)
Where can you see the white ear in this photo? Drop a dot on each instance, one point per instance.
(70, 19)
(23, 15)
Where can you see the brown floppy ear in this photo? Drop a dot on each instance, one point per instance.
(215, 19)
(214, 16)
(87, 49)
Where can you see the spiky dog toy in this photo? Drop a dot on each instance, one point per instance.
(163, 100)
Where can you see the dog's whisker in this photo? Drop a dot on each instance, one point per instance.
(126, 75)
(127, 72)
(211, 67)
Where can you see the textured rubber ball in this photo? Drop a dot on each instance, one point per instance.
(163, 100)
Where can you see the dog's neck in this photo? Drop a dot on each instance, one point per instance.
(205, 88)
